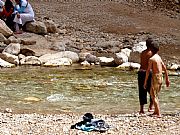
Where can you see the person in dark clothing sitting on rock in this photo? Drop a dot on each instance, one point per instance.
(6, 11)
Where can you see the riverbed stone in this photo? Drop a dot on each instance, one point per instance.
(175, 67)
(36, 27)
(13, 48)
(122, 57)
(6, 64)
(30, 60)
(136, 50)
(10, 58)
(85, 63)
(64, 54)
(4, 29)
(129, 65)
(91, 59)
(104, 61)
(59, 62)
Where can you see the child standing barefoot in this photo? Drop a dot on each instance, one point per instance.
(144, 58)
(157, 66)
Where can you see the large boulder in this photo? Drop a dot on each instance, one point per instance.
(104, 61)
(136, 50)
(175, 67)
(122, 57)
(13, 48)
(59, 62)
(91, 59)
(10, 58)
(30, 60)
(5, 64)
(64, 54)
(4, 29)
(36, 27)
(129, 66)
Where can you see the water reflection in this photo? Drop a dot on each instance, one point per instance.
(52, 90)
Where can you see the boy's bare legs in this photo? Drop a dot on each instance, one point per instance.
(141, 109)
(150, 109)
(156, 107)
(155, 102)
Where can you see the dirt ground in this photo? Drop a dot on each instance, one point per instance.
(115, 17)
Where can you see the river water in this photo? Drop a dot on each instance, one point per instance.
(76, 89)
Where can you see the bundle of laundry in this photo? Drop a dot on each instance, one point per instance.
(91, 124)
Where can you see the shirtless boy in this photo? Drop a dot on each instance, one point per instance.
(144, 57)
(157, 66)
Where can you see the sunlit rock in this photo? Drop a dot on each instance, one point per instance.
(59, 62)
(126, 51)
(129, 65)
(136, 50)
(13, 48)
(64, 54)
(36, 27)
(175, 67)
(30, 60)
(10, 58)
(104, 61)
(85, 63)
(122, 57)
(4, 29)
(6, 64)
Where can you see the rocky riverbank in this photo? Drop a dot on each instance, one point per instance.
(59, 124)
(101, 28)
(105, 31)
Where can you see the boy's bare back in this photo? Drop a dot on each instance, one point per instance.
(145, 55)
(156, 62)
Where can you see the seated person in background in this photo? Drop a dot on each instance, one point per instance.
(6, 13)
(1, 9)
(23, 13)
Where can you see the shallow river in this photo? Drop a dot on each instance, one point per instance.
(73, 89)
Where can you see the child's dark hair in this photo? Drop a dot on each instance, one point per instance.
(149, 42)
(155, 47)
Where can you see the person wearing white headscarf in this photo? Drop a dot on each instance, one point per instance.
(1, 6)
(23, 13)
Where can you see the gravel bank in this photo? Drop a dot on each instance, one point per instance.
(59, 124)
